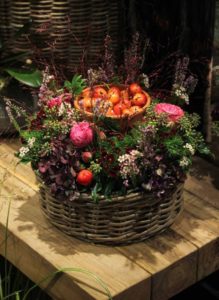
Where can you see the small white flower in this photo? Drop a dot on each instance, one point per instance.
(136, 153)
(184, 162)
(61, 110)
(31, 141)
(23, 151)
(178, 93)
(145, 80)
(190, 148)
(185, 97)
(159, 172)
(182, 89)
(147, 186)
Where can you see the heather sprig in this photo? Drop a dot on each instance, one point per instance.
(184, 82)
(132, 59)
(108, 60)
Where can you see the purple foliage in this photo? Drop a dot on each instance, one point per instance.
(58, 169)
(159, 175)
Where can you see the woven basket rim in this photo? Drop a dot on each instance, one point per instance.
(132, 194)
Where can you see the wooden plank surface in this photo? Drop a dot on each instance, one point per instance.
(156, 269)
(171, 259)
(35, 240)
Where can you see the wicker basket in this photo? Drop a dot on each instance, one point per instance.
(70, 27)
(118, 221)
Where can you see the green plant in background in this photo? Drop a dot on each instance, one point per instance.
(215, 128)
(12, 64)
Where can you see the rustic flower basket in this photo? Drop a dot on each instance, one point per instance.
(118, 221)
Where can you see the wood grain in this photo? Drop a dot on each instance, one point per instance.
(39, 249)
(204, 181)
(199, 223)
(171, 260)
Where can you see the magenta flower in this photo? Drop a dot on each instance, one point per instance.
(81, 134)
(57, 101)
(174, 112)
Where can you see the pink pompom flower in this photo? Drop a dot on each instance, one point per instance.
(174, 112)
(54, 102)
(81, 134)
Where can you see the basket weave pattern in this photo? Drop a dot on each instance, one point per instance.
(72, 26)
(120, 220)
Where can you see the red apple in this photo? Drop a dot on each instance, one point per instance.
(114, 95)
(139, 99)
(127, 103)
(99, 92)
(84, 177)
(135, 88)
(118, 109)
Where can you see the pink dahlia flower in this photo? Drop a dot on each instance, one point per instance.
(81, 134)
(174, 112)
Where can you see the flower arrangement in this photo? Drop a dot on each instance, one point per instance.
(106, 137)
(75, 147)
(74, 154)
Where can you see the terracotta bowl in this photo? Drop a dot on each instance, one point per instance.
(135, 116)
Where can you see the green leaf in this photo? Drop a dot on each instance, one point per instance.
(76, 86)
(94, 192)
(31, 78)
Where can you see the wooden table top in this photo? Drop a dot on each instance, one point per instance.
(155, 269)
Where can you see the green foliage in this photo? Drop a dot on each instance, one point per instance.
(8, 62)
(32, 78)
(174, 146)
(55, 127)
(95, 168)
(75, 86)
(215, 128)
(27, 134)
(189, 122)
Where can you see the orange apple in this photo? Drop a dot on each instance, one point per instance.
(87, 102)
(126, 112)
(99, 92)
(135, 88)
(139, 99)
(86, 93)
(125, 95)
(134, 109)
(114, 95)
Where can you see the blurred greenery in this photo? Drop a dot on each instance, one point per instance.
(14, 65)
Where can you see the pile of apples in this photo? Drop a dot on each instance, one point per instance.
(117, 101)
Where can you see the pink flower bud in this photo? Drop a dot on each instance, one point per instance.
(86, 156)
(57, 101)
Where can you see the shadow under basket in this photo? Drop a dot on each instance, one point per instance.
(121, 220)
